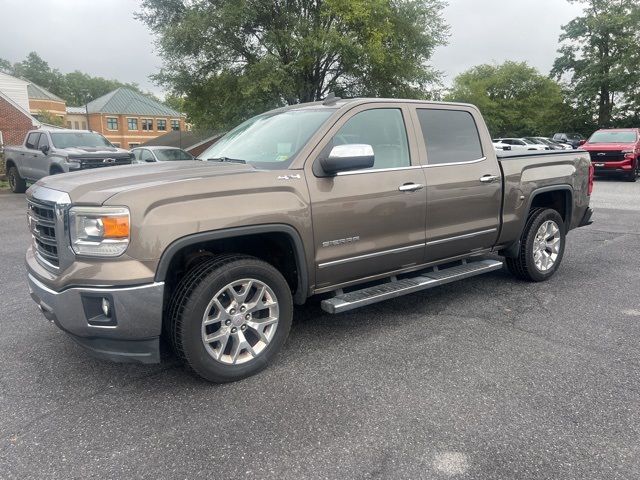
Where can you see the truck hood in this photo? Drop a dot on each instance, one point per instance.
(608, 147)
(94, 151)
(94, 187)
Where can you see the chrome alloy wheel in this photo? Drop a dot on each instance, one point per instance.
(240, 321)
(546, 245)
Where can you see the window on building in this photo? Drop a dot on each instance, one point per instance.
(84, 125)
(76, 125)
(133, 145)
(175, 125)
(112, 123)
(451, 136)
(147, 124)
(162, 125)
(132, 123)
(69, 124)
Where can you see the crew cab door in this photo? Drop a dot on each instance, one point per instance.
(463, 178)
(29, 155)
(369, 222)
(41, 164)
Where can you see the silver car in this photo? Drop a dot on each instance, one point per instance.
(159, 154)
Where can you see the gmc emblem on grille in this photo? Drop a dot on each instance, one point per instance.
(109, 160)
(602, 154)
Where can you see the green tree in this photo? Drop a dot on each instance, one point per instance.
(5, 66)
(233, 58)
(599, 52)
(49, 118)
(515, 99)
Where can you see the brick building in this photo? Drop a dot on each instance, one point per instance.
(42, 100)
(127, 118)
(15, 121)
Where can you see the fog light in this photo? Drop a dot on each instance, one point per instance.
(106, 307)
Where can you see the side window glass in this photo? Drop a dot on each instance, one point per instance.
(384, 130)
(147, 156)
(43, 141)
(451, 136)
(32, 140)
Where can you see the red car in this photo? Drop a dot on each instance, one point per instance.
(615, 151)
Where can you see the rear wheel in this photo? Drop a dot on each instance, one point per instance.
(229, 316)
(541, 246)
(16, 182)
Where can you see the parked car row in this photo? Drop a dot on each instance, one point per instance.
(50, 152)
(529, 143)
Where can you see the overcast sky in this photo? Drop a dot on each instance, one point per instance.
(101, 37)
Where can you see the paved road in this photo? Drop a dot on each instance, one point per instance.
(487, 378)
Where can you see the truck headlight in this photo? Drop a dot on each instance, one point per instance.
(99, 231)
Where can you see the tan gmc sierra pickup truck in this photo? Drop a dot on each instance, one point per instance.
(358, 200)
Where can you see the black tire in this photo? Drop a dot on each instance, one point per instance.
(16, 182)
(56, 171)
(524, 266)
(633, 176)
(189, 303)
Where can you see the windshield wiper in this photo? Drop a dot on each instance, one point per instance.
(226, 159)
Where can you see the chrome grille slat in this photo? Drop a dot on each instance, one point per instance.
(42, 223)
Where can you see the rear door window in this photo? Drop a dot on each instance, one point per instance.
(451, 136)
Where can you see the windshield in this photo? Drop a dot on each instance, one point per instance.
(79, 139)
(528, 142)
(172, 154)
(270, 140)
(533, 140)
(613, 137)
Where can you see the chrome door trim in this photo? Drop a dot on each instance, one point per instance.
(460, 237)
(453, 163)
(357, 172)
(370, 255)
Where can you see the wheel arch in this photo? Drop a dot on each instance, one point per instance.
(558, 197)
(245, 240)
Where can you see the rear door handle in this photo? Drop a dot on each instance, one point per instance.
(410, 187)
(489, 178)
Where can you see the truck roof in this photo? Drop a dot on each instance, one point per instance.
(342, 102)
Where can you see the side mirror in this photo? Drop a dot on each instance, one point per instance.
(582, 142)
(44, 149)
(342, 158)
(150, 160)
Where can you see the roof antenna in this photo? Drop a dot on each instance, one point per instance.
(330, 99)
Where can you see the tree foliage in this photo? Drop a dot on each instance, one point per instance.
(600, 54)
(514, 98)
(230, 59)
(76, 88)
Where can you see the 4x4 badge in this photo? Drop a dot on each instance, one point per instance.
(289, 177)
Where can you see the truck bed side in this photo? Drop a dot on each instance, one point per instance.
(527, 176)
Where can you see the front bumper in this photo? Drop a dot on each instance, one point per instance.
(130, 334)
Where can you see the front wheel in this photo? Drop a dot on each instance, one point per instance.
(229, 316)
(16, 182)
(541, 246)
(633, 176)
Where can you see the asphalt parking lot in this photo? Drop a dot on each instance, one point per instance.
(485, 378)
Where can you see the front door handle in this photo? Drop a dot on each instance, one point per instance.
(410, 187)
(489, 178)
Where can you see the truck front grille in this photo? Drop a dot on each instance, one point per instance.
(606, 156)
(42, 223)
(86, 163)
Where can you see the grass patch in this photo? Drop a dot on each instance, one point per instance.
(4, 185)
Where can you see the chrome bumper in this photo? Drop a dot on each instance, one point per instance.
(132, 331)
